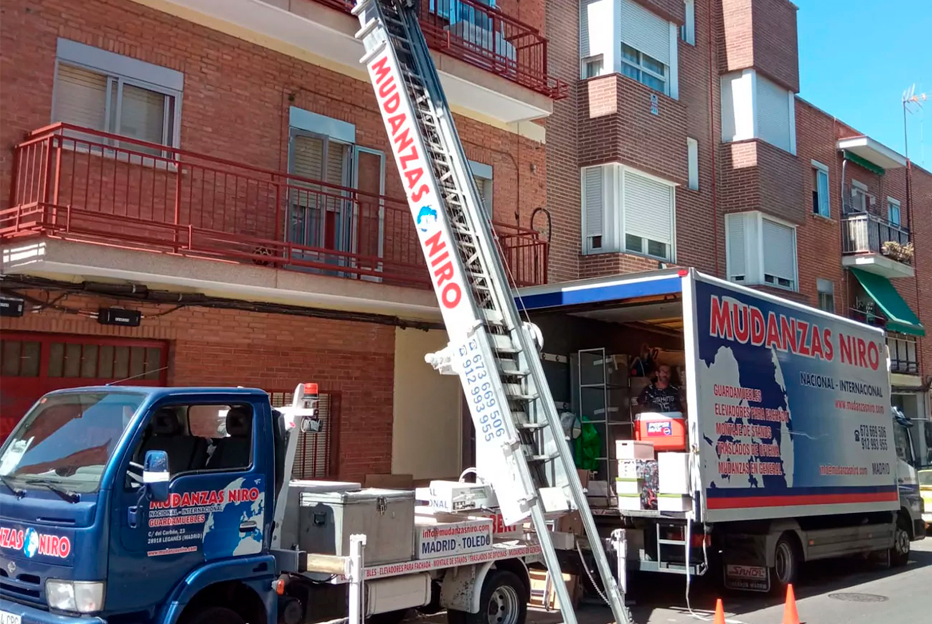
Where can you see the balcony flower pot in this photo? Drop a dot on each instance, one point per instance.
(898, 252)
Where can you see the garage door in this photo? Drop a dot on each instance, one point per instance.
(32, 364)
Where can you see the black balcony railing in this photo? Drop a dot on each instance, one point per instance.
(867, 233)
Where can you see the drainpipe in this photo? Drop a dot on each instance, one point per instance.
(713, 145)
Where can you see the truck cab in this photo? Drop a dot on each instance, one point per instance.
(139, 504)
(908, 478)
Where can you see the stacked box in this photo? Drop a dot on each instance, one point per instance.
(674, 472)
(637, 483)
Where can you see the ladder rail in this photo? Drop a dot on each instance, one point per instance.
(486, 329)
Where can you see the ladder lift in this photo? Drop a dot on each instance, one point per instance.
(521, 448)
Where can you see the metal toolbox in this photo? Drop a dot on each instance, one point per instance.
(327, 519)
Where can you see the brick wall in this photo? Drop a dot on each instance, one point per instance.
(563, 199)
(216, 347)
(760, 34)
(616, 125)
(236, 94)
(670, 10)
(608, 264)
(758, 176)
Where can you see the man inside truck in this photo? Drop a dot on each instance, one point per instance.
(661, 395)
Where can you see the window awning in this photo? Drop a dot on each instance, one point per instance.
(899, 317)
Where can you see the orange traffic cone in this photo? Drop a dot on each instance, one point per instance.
(790, 616)
(719, 612)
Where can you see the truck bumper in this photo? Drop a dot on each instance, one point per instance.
(32, 615)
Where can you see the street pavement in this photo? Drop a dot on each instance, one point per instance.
(843, 591)
(846, 591)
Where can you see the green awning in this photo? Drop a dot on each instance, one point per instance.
(873, 168)
(899, 317)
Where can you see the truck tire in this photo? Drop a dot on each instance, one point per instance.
(899, 554)
(785, 570)
(503, 601)
(215, 615)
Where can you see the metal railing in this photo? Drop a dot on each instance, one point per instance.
(79, 184)
(904, 355)
(487, 38)
(866, 233)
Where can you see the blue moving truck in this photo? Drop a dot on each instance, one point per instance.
(168, 505)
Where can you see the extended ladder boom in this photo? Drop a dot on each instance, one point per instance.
(521, 449)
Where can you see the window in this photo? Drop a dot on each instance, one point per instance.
(688, 30)
(826, 290)
(692, 159)
(893, 212)
(111, 93)
(861, 200)
(756, 108)
(625, 210)
(592, 66)
(482, 174)
(624, 37)
(643, 68)
(820, 195)
(760, 250)
(200, 437)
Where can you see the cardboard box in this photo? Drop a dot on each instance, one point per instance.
(631, 449)
(390, 481)
(563, 541)
(628, 486)
(583, 477)
(544, 595)
(674, 502)
(570, 523)
(597, 489)
(673, 469)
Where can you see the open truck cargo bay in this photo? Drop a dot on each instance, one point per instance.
(782, 449)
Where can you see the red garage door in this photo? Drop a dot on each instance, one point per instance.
(32, 364)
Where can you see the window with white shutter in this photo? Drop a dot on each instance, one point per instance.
(482, 175)
(779, 251)
(688, 29)
(108, 92)
(627, 211)
(648, 215)
(773, 114)
(646, 51)
(596, 36)
(820, 196)
(593, 208)
(736, 247)
(760, 250)
(753, 107)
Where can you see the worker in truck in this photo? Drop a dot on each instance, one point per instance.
(661, 395)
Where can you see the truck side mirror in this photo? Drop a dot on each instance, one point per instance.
(155, 475)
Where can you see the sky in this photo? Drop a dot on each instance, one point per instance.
(857, 57)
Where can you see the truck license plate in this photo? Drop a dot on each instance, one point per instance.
(10, 618)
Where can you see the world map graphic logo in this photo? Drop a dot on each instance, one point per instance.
(426, 217)
(31, 543)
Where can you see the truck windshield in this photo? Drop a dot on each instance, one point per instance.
(925, 477)
(66, 440)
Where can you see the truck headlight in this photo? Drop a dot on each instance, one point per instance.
(76, 596)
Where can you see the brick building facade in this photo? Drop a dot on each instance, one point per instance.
(709, 108)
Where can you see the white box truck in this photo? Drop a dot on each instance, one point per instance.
(790, 441)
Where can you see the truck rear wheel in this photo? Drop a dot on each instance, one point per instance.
(785, 568)
(503, 601)
(215, 615)
(899, 554)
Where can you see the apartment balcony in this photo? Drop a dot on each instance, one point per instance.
(876, 245)
(90, 204)
(488, 61)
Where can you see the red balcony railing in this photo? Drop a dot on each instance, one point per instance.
(78, 184)
(486, 37)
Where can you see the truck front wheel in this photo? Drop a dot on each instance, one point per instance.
(215, 615)
(785, 564)
(503, 601)
(899, 554)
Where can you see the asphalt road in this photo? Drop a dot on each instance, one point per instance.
(831, 592)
